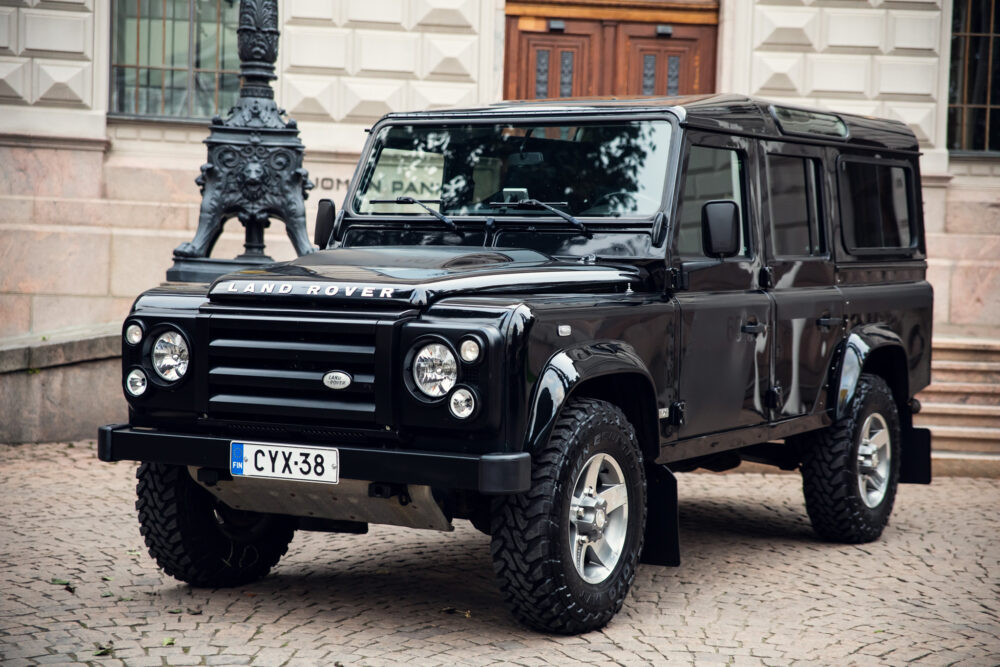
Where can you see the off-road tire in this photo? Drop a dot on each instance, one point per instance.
(530, 542)
(830, 469)
(197, 539)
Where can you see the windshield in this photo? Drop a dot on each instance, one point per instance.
(586, 169)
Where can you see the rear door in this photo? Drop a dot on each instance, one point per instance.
(796, 207)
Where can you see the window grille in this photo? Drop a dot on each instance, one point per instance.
(974, 82)
(174, 58)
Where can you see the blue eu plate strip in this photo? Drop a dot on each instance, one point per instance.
(236, 458)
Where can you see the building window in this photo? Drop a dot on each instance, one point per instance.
(974, 84)
(174, 58)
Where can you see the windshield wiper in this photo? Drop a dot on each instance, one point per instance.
(410, 200)
(551, 206)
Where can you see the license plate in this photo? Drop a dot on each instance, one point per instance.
(263, 459)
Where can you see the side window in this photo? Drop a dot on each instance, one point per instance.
(712, 173)
(875, 205)
(796, 228)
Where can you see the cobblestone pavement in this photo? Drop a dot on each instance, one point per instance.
(755, 587)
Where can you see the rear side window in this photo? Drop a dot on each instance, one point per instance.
(712, 174)
(876, 206)
(796, 228)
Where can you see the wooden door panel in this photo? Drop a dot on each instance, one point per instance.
(559, 66)
(682, 64)
(584, 57)
(653, 70)
(552, 64)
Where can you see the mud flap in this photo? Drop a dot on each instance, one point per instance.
(915, 468)
(662, 524)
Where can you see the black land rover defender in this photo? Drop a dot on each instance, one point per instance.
(530, 316)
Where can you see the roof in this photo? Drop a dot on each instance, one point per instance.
(737, 114)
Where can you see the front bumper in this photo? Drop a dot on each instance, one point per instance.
(486, 473)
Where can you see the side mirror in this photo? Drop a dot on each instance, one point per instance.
(720, 228)
(325, 216)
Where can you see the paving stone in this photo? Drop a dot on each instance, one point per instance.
(756, 586)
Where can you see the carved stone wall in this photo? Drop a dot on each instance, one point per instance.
(890, 59)
(345, 64)
(879, 58)
(90, 217)
(54, 67)
(91, 207)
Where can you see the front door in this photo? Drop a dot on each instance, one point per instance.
(725, 338)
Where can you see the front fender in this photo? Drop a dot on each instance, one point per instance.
(859, 347)
(566, 370)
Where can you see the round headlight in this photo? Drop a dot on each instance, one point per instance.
(170, 356)
(462, 403)
(435, 370)
(133, 334)
(136, 383)
(469, 349)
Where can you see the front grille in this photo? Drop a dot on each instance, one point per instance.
(270, 369)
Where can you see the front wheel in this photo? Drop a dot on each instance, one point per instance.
(201, 541)
(566, 551)
(850, 471)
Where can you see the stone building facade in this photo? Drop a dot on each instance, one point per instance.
(93, 201)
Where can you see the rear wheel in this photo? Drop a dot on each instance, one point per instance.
(851, 470)
(566, 551)
(196, 538)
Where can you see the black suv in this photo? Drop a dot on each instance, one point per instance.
(530, 316)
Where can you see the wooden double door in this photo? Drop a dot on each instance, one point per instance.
(550, 57)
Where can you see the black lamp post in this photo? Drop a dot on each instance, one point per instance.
(254, 170)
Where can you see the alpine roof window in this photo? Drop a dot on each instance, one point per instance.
(815, 123)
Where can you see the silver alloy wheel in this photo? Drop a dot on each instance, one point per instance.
(598, 518)
(874, 459)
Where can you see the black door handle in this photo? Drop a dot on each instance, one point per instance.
(753, 327)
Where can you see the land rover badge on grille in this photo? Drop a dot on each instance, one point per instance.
(337, 380)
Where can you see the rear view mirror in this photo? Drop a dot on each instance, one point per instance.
(324, 223)
(720, 228)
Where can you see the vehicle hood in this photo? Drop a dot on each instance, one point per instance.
(417, 276)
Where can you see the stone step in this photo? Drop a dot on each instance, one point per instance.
(958, 414)
(947, 348)
(964, 464)
(966, 439)
(947, 370)
(961, 393)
